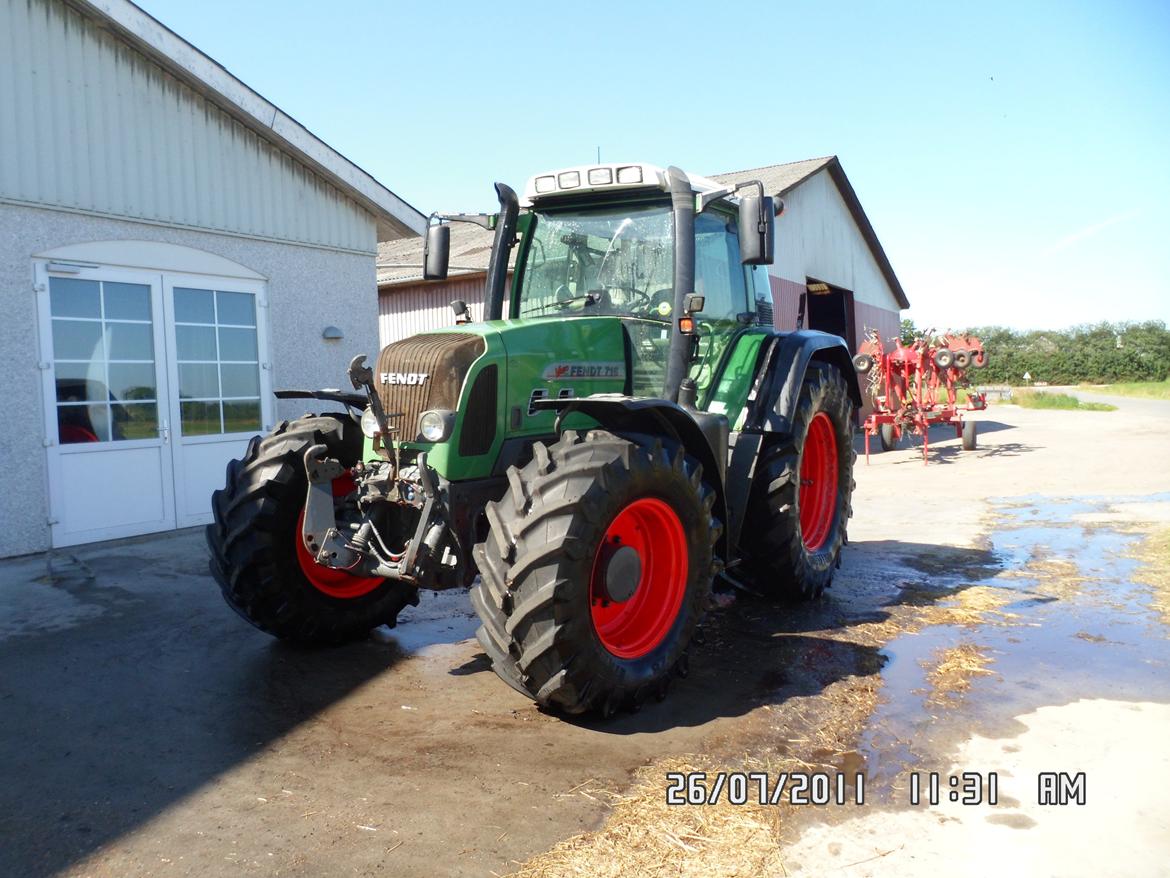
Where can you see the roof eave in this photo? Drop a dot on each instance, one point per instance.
(395, 218)
(865, 227)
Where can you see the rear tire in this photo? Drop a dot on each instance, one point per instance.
(969, 435)
(793, 555)
(255, 536)
(545, 626)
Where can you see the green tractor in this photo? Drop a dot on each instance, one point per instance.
(624, 426)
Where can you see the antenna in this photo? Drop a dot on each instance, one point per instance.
(599, 155)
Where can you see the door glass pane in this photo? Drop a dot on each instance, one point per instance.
(236, 308)
(240, 380)
(83, 423)
(241, 416)
(126, 301)
(199, 418)
(80, 382)
(198, 381)
(136, 420)
(78, 340)
(130, 341)
(237, 344)
(195, 343)
(129, 381)
(219, 368)
(70, 297)
(194, 306)
(101, 399)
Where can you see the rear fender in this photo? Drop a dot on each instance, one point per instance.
(655, 417)
(785, 363)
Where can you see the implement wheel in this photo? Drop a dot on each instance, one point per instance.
(595, 571)
(259, 559)
(969, 440)
(889, 437)
(800, 502)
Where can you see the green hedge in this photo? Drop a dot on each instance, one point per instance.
(1100, 354)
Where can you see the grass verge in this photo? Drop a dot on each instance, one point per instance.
(1140, 389)
(1032, 399)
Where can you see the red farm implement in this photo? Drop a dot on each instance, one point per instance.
(916, 386)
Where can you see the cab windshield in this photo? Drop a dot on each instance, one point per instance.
(619, 260)
(616, 261)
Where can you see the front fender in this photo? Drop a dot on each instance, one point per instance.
(659, 417)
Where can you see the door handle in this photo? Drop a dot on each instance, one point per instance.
(165, 432)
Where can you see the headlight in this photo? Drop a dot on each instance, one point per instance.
(435, 426)
(370, 423)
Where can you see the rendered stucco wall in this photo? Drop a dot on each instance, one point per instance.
(307, 288)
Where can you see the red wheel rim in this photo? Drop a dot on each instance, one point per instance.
(632, 628)
(329, 580)
(818, 482)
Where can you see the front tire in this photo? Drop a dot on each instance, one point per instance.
(595, 571)
(800, 503)
(257, 557)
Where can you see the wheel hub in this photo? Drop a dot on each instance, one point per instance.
(818, 483)
(639, 578)
(623, 573)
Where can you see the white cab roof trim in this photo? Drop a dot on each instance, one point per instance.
(651, 177)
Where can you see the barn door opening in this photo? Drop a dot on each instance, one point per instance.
(829, 309)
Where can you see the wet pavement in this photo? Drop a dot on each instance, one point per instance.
(1067, 619)
(147, 730)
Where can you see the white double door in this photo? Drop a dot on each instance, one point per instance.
(152, 383)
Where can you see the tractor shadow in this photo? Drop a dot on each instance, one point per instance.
(151, 693)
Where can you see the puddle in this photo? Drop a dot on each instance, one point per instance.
(1070, 623)
(439, 624)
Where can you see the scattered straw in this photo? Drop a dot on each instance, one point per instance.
(949, 672)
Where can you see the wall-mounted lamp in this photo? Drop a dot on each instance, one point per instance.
(332, 333)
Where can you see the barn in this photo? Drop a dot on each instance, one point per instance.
(830, 273)
(172, 248)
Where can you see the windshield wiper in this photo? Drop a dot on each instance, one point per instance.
(590, 298)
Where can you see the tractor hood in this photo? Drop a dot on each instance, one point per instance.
(490, 374)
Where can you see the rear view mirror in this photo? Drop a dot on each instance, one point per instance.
(436, 252)
(757, 229)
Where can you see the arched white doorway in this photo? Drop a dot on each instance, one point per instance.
(155, 373)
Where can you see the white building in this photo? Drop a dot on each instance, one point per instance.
(172, 247)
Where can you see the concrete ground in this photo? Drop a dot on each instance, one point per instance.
(147, 730)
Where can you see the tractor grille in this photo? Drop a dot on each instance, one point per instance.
(444, 358)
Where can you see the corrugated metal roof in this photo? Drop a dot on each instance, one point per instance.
(471, 249)
(778, 179)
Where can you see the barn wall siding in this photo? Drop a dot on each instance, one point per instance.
(91, 124)
(817, 237)
(887, 323)
(408, 309)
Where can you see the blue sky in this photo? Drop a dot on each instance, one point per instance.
(1013, 157)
